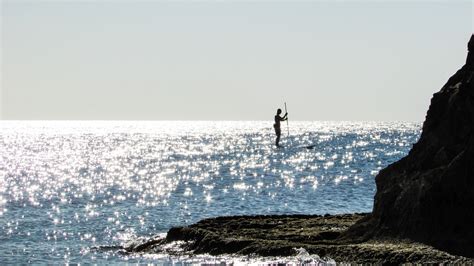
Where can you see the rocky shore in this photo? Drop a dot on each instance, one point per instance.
(284, 235)
(423, 210)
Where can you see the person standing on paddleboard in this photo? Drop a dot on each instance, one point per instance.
(276, 126)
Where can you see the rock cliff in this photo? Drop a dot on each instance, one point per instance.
(428, 195)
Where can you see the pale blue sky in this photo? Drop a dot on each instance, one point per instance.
(228, 60)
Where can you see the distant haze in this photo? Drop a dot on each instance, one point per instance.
(228, 60)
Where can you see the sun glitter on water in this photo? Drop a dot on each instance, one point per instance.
(72, 185)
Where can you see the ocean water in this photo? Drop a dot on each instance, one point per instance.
(68, 187)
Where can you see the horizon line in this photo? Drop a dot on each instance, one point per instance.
(192, 120)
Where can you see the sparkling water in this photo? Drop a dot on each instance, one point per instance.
(71, 186)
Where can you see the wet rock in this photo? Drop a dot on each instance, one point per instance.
(292, 235)
(263, 235)
(428, 196)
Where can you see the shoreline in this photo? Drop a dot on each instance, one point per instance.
(281, 235)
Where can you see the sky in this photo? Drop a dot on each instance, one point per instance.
(228, 60)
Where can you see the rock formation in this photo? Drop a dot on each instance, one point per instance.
(428, 195)
(289, 235)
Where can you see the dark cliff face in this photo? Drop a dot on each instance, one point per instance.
(428, 196)
(470, 55)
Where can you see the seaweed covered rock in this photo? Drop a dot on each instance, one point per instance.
(428, 195)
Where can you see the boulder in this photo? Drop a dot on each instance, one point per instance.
(428, 196)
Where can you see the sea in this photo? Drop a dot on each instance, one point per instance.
(69, 188)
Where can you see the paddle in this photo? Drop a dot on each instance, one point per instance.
(287, 126)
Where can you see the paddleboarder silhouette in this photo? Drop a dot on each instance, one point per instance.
(277, 127)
